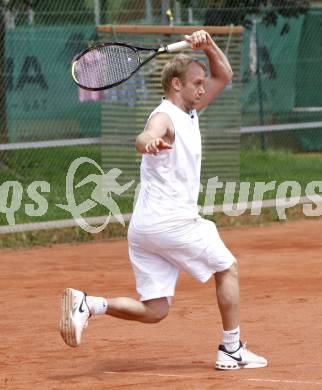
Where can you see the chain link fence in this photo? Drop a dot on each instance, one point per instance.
(46, 122)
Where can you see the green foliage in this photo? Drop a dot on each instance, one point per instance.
(256, 166)
(24, 167)
(237, 12)
(52, 12)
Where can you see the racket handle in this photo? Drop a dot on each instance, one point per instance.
(177, 46)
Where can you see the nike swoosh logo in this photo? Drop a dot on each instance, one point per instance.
(81, 310)
(238, 359)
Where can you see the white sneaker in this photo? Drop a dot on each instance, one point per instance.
(74, 316)
(242, 358)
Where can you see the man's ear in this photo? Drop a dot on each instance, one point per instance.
(176, 84)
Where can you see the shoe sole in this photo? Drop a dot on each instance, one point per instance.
(227, 366)
(254, 365)
(67, 329)
(232, 366)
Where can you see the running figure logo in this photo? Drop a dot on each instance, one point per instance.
(105, 186)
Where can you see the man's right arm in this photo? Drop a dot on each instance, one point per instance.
(156, 136)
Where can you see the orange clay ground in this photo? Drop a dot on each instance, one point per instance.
(281, 318)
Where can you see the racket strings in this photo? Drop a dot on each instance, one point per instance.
(105, 66)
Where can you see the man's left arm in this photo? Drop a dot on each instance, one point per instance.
(220, 70)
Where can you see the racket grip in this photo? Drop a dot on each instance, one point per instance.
(178, 46)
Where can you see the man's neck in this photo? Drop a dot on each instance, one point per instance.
(179, 103)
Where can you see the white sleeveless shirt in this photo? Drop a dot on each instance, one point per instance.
(170, 181)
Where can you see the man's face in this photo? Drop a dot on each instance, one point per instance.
(193, 86)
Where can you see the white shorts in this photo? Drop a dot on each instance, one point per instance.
(157, 258)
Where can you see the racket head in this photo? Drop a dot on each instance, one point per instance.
(105, 65)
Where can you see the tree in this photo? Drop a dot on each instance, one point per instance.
(3, 111)
(237, 12)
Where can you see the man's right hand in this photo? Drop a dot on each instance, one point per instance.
(158, 135)
(156, 145)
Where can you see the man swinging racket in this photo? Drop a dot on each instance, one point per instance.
(166, 234)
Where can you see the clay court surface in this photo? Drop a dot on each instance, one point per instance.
(281, 317)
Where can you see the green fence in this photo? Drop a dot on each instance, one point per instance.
(286, 85)
(46, 122)
(42, 101)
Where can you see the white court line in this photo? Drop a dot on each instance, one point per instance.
(150, 374)
(295, 382)
(283, 381)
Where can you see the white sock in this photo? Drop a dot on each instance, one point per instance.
(96, 305)
(231, 339)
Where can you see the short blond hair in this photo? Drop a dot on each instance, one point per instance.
(177, 67)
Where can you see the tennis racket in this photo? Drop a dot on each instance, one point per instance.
(109, 64)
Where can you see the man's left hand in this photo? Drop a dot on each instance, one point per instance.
(199, 40)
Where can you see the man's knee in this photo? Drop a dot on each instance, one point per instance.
(231, 272)
(158, 316)
(234, 268)
(159, 309)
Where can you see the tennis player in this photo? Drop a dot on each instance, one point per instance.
(166, 234)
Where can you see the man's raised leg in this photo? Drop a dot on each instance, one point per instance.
(77, 307)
